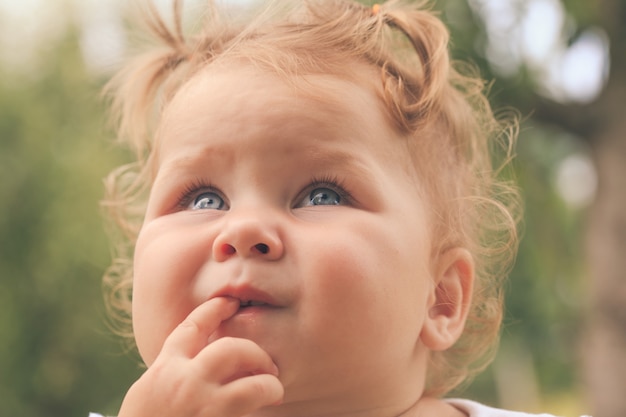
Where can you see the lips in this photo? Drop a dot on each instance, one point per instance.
(248, 296)
(257, 313)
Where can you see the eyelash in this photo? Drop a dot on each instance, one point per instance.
(191, 191)
(329, 181)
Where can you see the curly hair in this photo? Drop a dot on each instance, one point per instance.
(457, 144)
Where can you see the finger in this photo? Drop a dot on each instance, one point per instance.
(230, 358)
(191, 335)
(248, 394)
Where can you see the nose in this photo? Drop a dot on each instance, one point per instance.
(248, 235)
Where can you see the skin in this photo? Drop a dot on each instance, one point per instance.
(309, 205)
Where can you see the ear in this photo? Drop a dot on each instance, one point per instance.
(450, 300)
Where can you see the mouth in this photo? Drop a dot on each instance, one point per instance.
(248, 297)
(252, 303)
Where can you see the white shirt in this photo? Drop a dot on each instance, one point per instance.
(474, 409)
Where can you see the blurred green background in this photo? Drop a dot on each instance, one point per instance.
(59, 358)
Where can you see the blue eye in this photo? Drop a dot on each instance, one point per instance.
(323, 197)
(207, 201)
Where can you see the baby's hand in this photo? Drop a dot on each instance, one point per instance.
(229, 377)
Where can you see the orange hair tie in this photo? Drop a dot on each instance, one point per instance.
(375, 9)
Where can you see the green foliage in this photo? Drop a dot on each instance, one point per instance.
(57, 356)
(544, 300)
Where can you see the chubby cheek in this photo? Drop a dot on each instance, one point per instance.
(367, 285)
(165, 266)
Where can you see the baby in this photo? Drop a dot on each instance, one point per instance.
(316, 225)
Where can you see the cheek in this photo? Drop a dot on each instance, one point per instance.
(165, 267)
(367, 279)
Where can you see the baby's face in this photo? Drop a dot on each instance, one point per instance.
(303, 204)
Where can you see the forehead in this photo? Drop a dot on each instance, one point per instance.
(219, 110)
(230, 95)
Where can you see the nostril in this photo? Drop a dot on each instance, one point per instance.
(228, 249)
(262, 248)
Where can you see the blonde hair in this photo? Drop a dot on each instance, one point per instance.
(445, 117)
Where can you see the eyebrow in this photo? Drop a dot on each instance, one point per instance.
(320, 157)
(325, 157)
